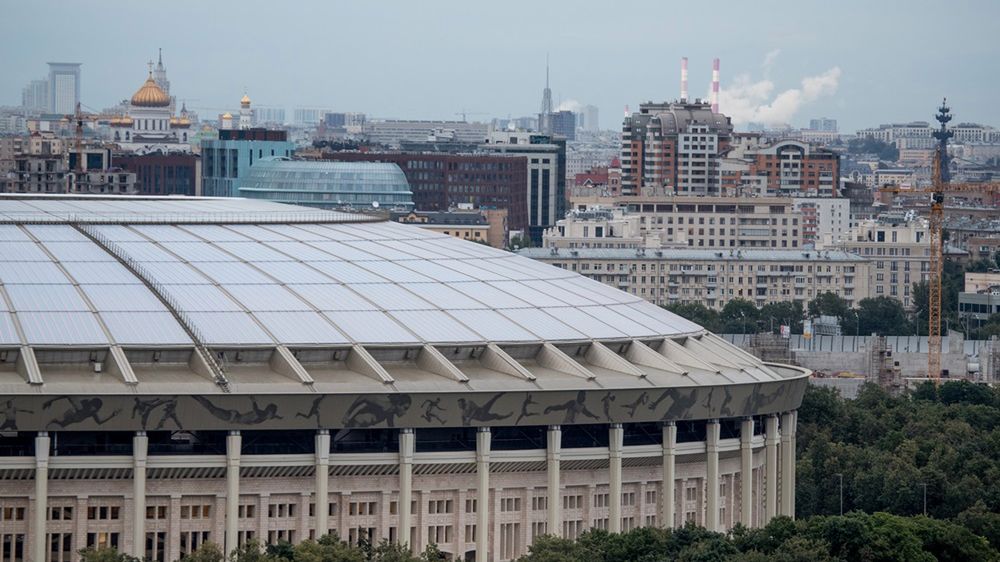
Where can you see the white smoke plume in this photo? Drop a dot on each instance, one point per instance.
(769, 59)
(570, 105)
(747, 101)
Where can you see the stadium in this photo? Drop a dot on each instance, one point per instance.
(182, 370)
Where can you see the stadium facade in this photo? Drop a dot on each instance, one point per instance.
(175, 371)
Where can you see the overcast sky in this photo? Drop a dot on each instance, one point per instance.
(860, 62)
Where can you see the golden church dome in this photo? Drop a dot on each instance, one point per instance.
(245, 100)
(150, 95)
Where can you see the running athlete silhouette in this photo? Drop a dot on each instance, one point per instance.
(572, 408)
(473, 412)
(252, 417)
(80, 409)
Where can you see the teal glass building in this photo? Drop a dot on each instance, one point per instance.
(327, 184)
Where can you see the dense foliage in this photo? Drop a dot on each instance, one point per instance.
(867, 145)
(328, 548)
(856, 536)
(889, 448)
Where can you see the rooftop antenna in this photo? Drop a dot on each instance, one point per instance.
(684, 79)
(715, 86)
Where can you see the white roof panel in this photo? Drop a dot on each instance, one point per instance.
(435, 326)
(492, 325)
(22, 251)
(232, 273)
(266, 297)
(46, 297)
(371, 327)
(197, 251)
(78, 251)
(61, 328)
(31, 272)
(145, 328)
(228, 328)
(300, 328)
(199, 298)
(542, 324)
(8, 335)
(333, 297)
(56, 233)
(101, 273)
(123, 298)
(391, 297)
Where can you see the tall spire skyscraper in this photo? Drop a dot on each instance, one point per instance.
(160, 74)
(545, 115)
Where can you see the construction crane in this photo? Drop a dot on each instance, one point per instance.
(939, 180)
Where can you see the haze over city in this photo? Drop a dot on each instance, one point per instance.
(442, 281)
(881, 62)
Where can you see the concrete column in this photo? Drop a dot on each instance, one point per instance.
(553, 454)
(482, 493)
(771, 462)
(787, 465)
(668, 508)
(234, 444)
(615, 437)
(746, 472)
(322, 499)
(406, 446)
(712, 475)
(140, 452)
(36, 531)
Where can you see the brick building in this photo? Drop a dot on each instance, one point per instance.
(440, 181)
(163, 174)
(674, 145)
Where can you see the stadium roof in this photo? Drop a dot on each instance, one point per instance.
(193, 296)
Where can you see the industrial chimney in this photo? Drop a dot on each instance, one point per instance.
(715, 86)
(684, 79)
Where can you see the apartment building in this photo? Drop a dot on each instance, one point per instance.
(710, 222)
(898, 246)
(674, 145)
(715, 277)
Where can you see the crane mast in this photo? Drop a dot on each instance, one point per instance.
(940, 177)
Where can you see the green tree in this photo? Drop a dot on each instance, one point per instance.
(105, 555)
(739, 316)
(698, 313)
(828, 304)
(884, 316)
(207, 552)
(773, 315)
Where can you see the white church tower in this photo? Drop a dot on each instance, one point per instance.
(245, 112)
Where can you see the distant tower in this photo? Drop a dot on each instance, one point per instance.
(942, 135)
(226, 121)
(715, 86)
(245, 112)
(160, 74)
(684, 79)
(545, 115)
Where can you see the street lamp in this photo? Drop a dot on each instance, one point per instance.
(840, 476)
(924, 486)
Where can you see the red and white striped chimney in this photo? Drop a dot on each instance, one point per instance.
(684, 79)
(715, 86)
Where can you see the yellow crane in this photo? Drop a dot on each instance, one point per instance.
(935, 273)
(939, 180)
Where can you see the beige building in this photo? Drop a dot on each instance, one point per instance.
(712, 222)
(898, 247)
(601, 227)
(713, 278)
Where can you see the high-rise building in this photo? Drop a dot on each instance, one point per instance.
(64, 87)
(563, 123)
(442, 180)
(268, 115)
(545, 112)
(546, 183)
(35, 96)
(589, 119)
(674, 146)
(823, 124)
(225, 160)
(163, 174)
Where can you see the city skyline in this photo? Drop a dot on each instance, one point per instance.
(783, 71)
